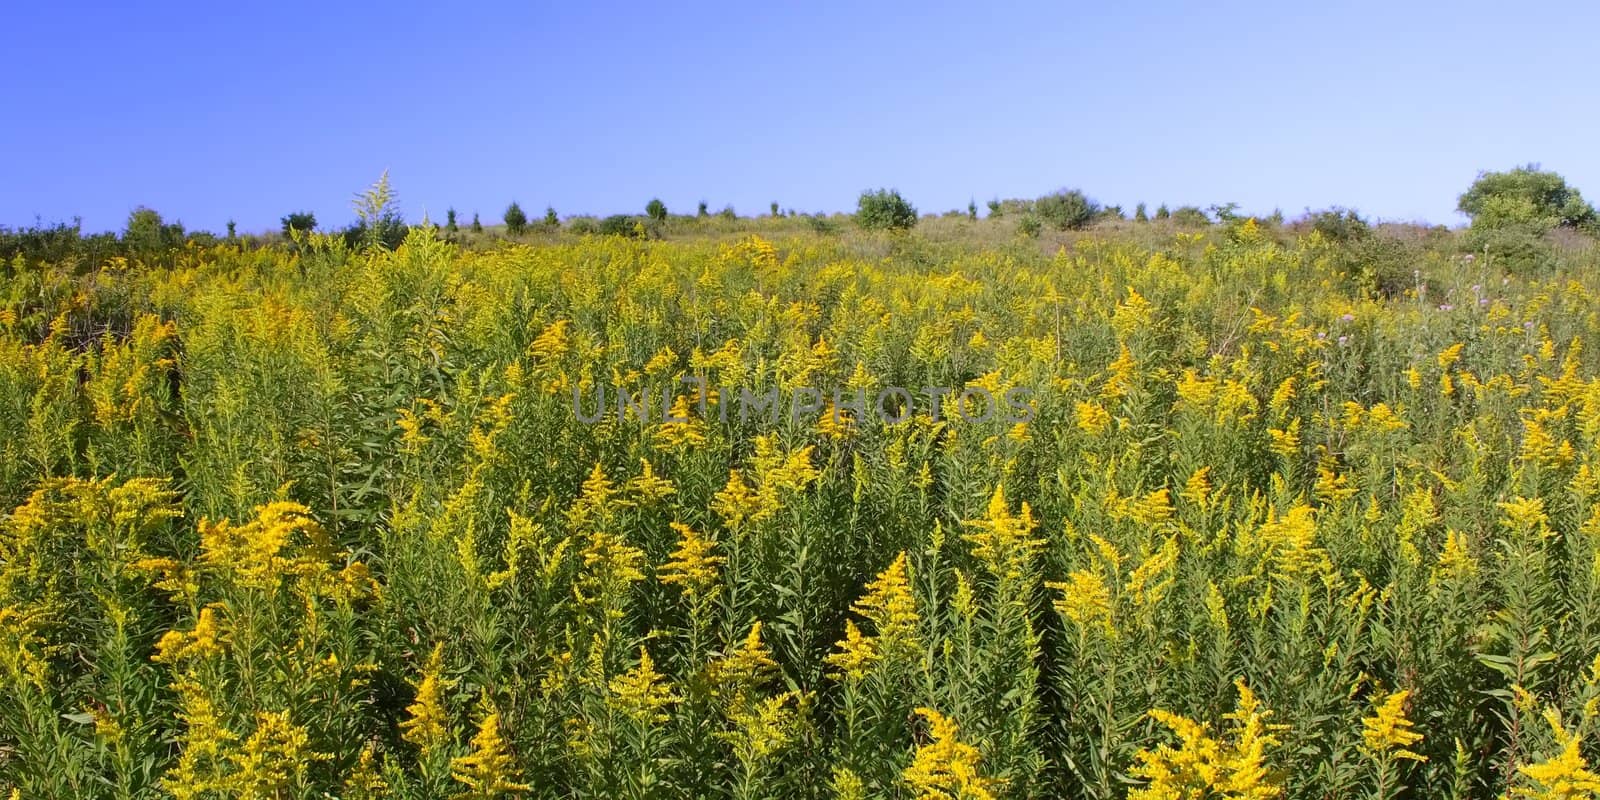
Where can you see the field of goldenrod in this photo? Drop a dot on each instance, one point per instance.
(302, 522)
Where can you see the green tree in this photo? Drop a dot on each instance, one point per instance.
(477, 227)
(1139, 214)
(656, 209)
(972, 209)
(702, 211)
(1067, 209)
(885, 209)
(450, 220)
(515, 220)
(302, 221)
(1526, 197)
(148, 234)
(550, 218)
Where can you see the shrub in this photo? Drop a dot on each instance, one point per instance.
(1513, 248)
(994, 207)
(701, 211)
(1067, 209)
(624, 225)
(972, 209)
(728, 213)
(515, 220)
(774, 208)
(302, 221)
(1190, 217)
(885, 209)
(822, 224)
(550, 218)
(1525, 197)
(1339, 224)
(1162, 212)
(477, 227)
(656, 210)
(584, 226)
(147, 233)
(1029, 225)
(1139, 214)
(450, 220)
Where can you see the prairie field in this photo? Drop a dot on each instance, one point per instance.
(1257, 511)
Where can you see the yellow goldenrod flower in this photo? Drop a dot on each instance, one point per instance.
(648, 487)
(693, 568)
(1388, 731)
(856, 654)
(847, 785)
(762, 728)
(427, 724)
(745, 667)
(1563, 776)
(946, 768)
(642, 692)
(176, 646)
(366, 781)
(274, 760)
(1455, 560)
(1201, 766)
(1002, 541)
(488, 770)
(1085, 601)
(1093, 418)
(888, 604)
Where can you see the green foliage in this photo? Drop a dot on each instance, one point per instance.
(774, 208)
(516, 221)
(820, 223)
(1162, 212)
(885, 209)
(450, 220)
(1190, 217)
(1517, 248)
(1067, 209)
(551, 220)
(624, 225)
(1338, 224)
(477, 227)
(147, 234)
(300, 221)
(1139, 214)
(1029, 225)
(1528, 198)
(972, 210)
(656, 210)
(1225, 213)
(728, 214)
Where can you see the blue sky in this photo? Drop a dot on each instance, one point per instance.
(249, 113)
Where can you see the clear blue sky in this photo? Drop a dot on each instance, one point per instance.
(207, 114)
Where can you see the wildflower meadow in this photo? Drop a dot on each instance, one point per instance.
(1265, 512)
